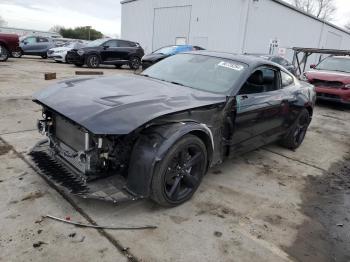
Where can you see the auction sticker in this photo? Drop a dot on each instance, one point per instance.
(231, 66)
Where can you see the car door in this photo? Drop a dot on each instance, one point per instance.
(124, 49)
(109, 51)
(42, 45)
(28, 44)
(259, 108)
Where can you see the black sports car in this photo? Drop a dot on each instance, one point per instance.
(108, 51)
(156, 134)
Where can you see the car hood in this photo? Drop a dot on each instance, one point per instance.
(154, 57)
(328, 76)
(120, 104)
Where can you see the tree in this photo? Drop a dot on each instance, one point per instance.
(323, 9)
(2, 22)
(83, 32)
(56, 28)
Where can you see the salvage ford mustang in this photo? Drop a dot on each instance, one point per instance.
(155, 135)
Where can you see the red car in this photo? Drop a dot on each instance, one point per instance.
(331, 78)
(8, 43)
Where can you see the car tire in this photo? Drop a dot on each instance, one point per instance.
(4, 53)
(118, 66)
(295, 137)
(179, 173)
(44, 56)
(17, 54)
(93, 61)
(134, 63)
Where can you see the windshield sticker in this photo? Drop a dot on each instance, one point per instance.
(231, 66)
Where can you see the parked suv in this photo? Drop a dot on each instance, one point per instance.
(35, 45)
(8, 43)
(109, 52)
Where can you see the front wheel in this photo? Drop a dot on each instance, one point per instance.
(93, 61)
(17, 54)
(180, 172)
(296, 134)
(134, 62)
(4, 53)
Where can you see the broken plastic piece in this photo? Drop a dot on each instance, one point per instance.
(101, 227)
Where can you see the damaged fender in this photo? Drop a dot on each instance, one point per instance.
(153, 145)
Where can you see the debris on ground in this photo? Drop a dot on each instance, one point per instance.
(72, 234)
(39, 244)
(101, 227)
(33, 196)
(217, 234)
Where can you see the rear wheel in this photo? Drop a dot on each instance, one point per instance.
(93, 61)
(296, 135)
(4, 53)
(180, 172)
(134, 62)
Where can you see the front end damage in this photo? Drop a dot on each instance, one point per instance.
(75, 160)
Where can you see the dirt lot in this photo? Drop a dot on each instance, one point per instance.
(268, 205)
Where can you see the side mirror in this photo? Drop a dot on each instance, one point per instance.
(25, 42)
(312, 66)
(105, 47)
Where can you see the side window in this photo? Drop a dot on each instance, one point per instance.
(262, 80)
(287, 80)
(30, 40)
(111, 43)
(124, 44)
(42, 40)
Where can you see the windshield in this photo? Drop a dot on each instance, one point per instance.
(335, 64)
(97, 42)
(166, 50)
(202, 72)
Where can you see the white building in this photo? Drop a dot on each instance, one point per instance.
(235, 26)
(25, 32)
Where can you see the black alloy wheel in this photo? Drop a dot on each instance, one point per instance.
(4, 54)
(298, 131)
(180, 172)
(135, 63)
(93, 61)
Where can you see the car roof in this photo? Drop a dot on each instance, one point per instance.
(246, 59)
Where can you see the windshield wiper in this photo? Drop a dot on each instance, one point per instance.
(176, 83)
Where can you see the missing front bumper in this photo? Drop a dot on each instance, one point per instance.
(111, 188)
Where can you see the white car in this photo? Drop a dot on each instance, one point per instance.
(59, 53)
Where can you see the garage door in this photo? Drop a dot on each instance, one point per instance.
(171, 26)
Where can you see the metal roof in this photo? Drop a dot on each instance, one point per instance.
(288, 6)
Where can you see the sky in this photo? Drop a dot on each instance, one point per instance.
(103, 15)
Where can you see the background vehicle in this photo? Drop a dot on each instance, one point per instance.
(278, 60)
(331, 77)
(8, 43)
(156, 134)
(165, 52)
(59, 53)
(109, 52)
(36, 45)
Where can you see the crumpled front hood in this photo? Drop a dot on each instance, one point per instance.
(328, 76)
(120, 104)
